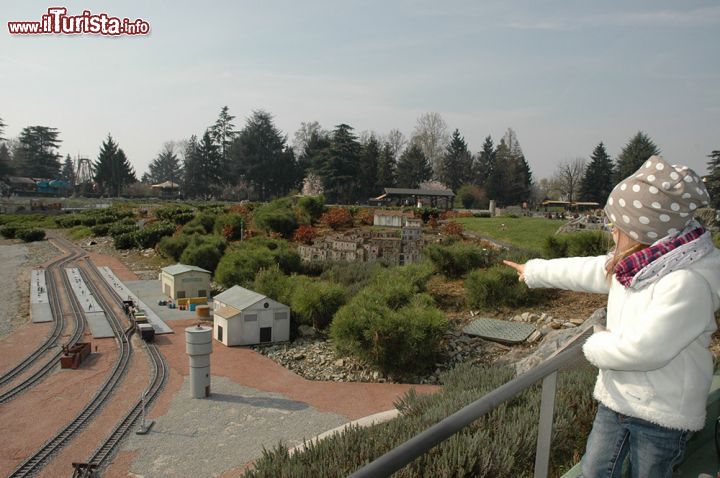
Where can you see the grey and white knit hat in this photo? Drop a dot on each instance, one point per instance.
(655, 201)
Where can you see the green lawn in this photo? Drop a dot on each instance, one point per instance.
(524, 232)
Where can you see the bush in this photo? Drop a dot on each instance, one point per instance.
(276, 216)
(117, 229)
(149, 236)
(68, 221)
(203, 223)
(9, 231)
(452, 228)
(304, 234)
(472, 197)
(99, 229)
(351, 275)
(179, 214)
(125, 241)
(79, 232)
(426, 213)
(396, 339)
(30, 235)
(337, 218)
(499, 286)
(457, 259)
(246, 258)
(193, 228)
(273, 283)
(203, 255)
(316, 303)
(584, 243)
(312, 207)
(230, 226)
(173, 246)
(499, 444)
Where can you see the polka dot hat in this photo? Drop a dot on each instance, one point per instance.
(655, 201)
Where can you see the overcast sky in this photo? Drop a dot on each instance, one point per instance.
(564, 75)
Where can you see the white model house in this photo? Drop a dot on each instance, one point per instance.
(182, 281)
(244, 317)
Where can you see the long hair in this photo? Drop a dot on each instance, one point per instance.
(617, 255)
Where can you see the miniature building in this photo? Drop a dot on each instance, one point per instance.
(182, 281)
(244, 317)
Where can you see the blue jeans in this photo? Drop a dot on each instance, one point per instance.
(653, 450)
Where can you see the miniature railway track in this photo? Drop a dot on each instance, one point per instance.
(35, 462)
(54, 293)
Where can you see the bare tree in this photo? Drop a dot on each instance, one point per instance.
(431, 135)
(568, 177)
(397, 142)
(303, 135)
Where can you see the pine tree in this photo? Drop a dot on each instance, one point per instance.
(112, 168)
(456, 164)
(261, 156)
(68, 171)
(338, 165)
(597, 181)
(485, 163)
(386, 167)
(712, 181)
(634, 154)
(2, 129)
(413, 167)
(209, 168)
(192, 169)
(498, 185)
(165, 167)
(223, 132)
(5, 160)
(369, 161)
(39, 158)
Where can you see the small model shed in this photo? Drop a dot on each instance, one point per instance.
(244, 317)
(183, 281)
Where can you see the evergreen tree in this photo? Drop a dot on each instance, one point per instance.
(112, 168)
(712, 181)
(498, 185)
(634, 154)
(386, 167)
(413, 167)
(338, 165)
(39, 157)
(369, 165)
(455, 167)
(209, 167)
(223, 132)
(597, 182)
(484, 164)
(165, 167)
(6, 168)
(192, 169)
(260, 156)
(68, 171)
(2, 129)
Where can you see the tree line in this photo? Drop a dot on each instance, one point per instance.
(259, 162)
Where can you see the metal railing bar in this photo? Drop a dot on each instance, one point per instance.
(545, 426)
(403, 454)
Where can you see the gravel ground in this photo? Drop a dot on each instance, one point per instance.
(205, 437)
(16, 261)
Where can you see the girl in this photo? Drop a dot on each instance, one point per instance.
(663, 285)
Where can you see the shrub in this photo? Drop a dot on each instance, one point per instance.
(397, 340)
(304, 234)
(229, 226)
(457, 259)
(173, 246)
(351, 275)
(414, 275)
(452, 228)
(68, 221)
(366, 216)
(273, 283)
(337, 218)
(499, 444)
(584, 243)
(203, 255)
(193, 228)
(9, 231)
(30, 235)
(125, 241)
(499, 286)
(555, 247)
(151, 235)
(119, 228)
(239, 267)
(99, 229)
(472, 197)
(179, 214)
(316, 303)
(79, 232)
(428, 212)
(276, 216)
(312, 207)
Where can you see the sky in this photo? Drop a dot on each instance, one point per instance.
(565, 75)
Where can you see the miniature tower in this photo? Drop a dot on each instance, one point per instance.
(198, 342)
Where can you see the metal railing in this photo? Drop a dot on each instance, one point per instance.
(547, 371)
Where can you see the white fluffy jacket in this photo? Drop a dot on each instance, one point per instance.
(654, 360)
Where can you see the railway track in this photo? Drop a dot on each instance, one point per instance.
(57, 312)
(159, 368)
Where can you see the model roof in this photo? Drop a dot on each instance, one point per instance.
(239, 297)
(180, 268)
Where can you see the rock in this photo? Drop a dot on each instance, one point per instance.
(339, 363)
(577, 321)
(534, 337)
(298, 356)
(306, 331)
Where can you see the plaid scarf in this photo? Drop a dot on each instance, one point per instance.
(626, 269)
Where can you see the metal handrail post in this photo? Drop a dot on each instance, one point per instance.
(545, 426)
